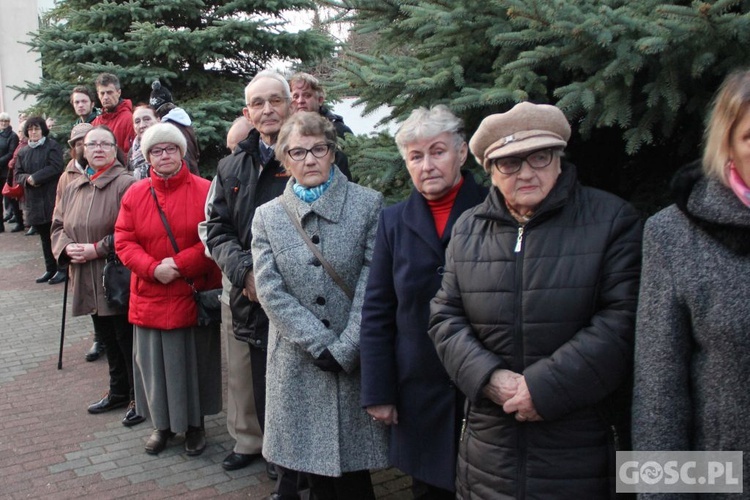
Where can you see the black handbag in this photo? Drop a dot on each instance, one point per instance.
(207, 301)
(116, 282)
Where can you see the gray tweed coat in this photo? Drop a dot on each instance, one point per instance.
(314, 421)
(692, 348)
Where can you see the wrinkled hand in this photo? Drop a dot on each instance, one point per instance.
(30, 181)
(327, 362)
(502, 386)
(249, 290)
(166, 272)
(521, 404)
(384, 413)
(81, 252)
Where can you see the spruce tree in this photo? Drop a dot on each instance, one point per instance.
(204, 51)
(634, 77)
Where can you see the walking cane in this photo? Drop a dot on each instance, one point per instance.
(62, 327)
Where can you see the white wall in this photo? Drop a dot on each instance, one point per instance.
(17, 64)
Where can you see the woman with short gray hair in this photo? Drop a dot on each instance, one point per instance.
(404, 386)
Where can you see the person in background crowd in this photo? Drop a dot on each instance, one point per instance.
(239, 130)
(315, 423)
(692, 366)
(535, 317)
(308, 95)
(39, 166)
(167, 111)
(77, 168)
(17, 206)
(8, 144)
(117, 113)
(82, 101)
(82, 235)
(247, 178)
(143, 118)
(177, 362)
(403, 383)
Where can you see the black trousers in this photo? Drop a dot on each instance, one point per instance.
(356, 484)
(258, 367)
(117, 335)
(425, 491)
(49, 259)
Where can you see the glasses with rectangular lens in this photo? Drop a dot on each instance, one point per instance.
(318, 151)
(171, 149)
(104, 146)
(511, 164)
(259, 103)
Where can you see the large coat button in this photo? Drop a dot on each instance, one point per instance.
(321, 301)
(315, 239)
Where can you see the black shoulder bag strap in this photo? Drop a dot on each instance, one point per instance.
(329, 269)
(169, 233)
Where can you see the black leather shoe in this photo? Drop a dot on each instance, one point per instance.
(109, 402)
(45, 277)
(97, 349)
(32, 231)
(158, 441)
(131, 416)
(235, 461)
(271, 471)
(17, 229)
(59, 277)
(195, 440)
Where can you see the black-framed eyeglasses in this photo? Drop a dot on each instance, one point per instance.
(171, 149)
(104, 146)
(509, 165)
(318, 151)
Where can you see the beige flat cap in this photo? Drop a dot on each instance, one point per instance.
(526, 127)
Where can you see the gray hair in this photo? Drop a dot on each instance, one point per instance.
(4, 116)
(267, 73)
(424, 123)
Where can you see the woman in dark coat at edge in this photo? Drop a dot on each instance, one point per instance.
(535, 316)
(403, 383)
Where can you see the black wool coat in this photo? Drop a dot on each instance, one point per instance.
(399, 362)
(45, 165)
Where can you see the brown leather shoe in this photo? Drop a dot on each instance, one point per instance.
(195, 440)
(158, 441)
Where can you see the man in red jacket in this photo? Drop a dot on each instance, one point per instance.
(117, 113)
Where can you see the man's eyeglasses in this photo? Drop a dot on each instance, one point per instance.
(259, 103)
(511, 164)
(104, 146)
(318, 151)
(171, 149)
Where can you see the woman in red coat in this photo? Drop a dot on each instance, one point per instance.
(177, 363)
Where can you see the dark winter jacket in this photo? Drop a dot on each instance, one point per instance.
(399, 362)
(554, 300)
(338, 123)
(241, 187)
(8, 144)
(692, 367)
(45, 165)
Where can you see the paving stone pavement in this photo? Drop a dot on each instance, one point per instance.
(51, 447)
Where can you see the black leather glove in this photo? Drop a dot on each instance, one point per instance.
(327, 362)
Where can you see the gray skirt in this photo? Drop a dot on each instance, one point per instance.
(177, 375)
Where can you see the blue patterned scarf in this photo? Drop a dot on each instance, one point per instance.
(309, 195)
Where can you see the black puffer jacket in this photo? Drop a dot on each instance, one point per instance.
(554, 300)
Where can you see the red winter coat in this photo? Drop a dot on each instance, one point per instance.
(141, 242)
(120, 121)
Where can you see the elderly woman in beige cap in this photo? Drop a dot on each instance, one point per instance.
(534, 320)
